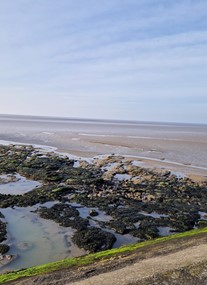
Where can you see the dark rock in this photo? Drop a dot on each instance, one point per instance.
(58, 212)
(146, 230)
(118, 226)
(93, 213)
(180, 199)
(202, 224)
(4, 248)
(76, 222)
(65, 215)
(3, 231)
(94, 239)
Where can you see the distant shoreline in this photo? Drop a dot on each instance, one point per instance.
(96, 120)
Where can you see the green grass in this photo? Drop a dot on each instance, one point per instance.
(90, 258)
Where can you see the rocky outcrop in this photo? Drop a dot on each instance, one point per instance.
(139, 202)
(65, 215)
(94, 239)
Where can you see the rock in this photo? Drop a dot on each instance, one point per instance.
(3, 231)
(4, 248)
(58, 212)
(118, 226)
(93, 213)
(150, 197)
(65, 215)
(202, 224)
(77, 223)
(94, 239)
(148, 232)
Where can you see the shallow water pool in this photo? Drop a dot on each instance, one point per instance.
(16, 184)
(36, 240)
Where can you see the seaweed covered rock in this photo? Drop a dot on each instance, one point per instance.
(58, 212)
(3, 231)
(94, 239)
(138, 205)
(202, 224)
(76, 222)
(118, 226)
(93, 213)
(4, 248)
(65, 215)
(146, 233)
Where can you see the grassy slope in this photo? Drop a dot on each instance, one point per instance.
(90, 258)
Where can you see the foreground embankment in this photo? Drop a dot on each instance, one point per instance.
(178, 259)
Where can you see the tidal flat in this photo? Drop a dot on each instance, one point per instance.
(70, 207)
(176, 147)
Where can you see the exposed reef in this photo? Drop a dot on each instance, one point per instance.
(141, 202)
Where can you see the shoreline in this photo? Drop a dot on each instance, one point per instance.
(164, 146)
(194, 172)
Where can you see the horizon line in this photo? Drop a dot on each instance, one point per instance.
(36, 117)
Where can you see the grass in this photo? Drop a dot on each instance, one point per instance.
(90, 258)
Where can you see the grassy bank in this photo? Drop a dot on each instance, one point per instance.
(90, 258)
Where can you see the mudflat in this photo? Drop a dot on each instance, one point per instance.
(177, 147)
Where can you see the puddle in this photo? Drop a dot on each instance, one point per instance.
(122, 240)
(137, 163)
(16, 184)
(110, 166)
(178, 174)
(122, 177)
(165, 231)
(137, 225)
(36, 240)
(203, 215)
(154, 215)
(76, 164)
(85, 212)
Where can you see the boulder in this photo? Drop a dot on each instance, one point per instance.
(94, 239)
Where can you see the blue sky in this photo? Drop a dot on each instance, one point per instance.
(111, 59)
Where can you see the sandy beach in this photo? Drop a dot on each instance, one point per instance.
(177, 147)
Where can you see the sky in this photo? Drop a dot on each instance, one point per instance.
(143, 60)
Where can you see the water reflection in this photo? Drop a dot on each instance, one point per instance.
(15, 184)
(35, 240)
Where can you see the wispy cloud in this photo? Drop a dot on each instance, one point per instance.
(120, 55)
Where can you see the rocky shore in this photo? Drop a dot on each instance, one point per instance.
(140, 202)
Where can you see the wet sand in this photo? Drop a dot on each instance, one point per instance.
(177, 147)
